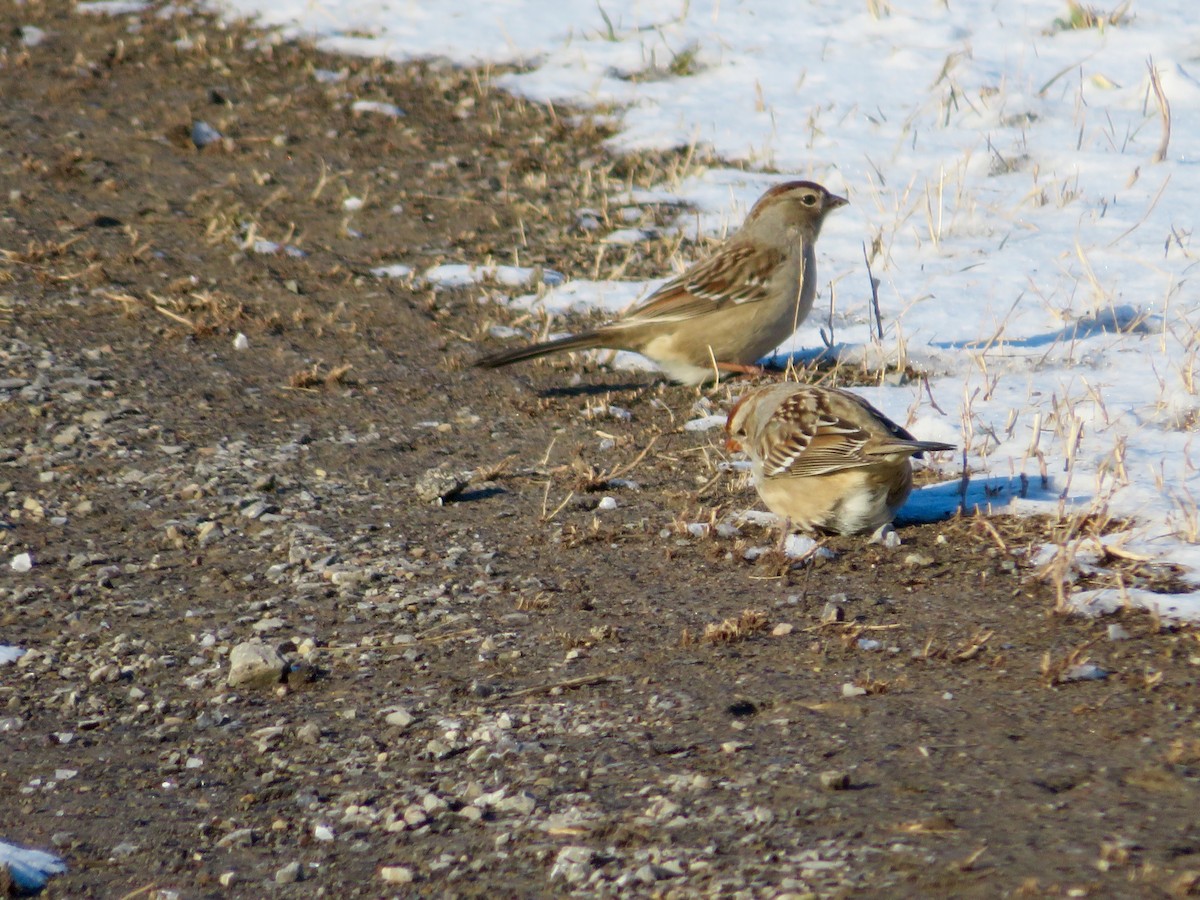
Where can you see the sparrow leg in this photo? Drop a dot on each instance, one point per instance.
(781, 547)
(739, 368)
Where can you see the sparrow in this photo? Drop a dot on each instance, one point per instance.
(823, 458)
(729, 309)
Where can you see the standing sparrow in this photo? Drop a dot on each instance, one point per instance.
(824, 459)
(729, 309)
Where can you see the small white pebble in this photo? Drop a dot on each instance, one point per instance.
(352, 204)
(798, 546)
(31, 35)
(323, 833)
(374, 106)
(396, 270)
(947, 696)
(1085, 672)
(241, 342)
(705, 423)
(607, 503)
(22, 562)
(396, 874)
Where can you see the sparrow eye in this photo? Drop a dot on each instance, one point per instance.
(809, 199)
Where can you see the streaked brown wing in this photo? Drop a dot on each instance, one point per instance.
(807, 438)
(734, 275)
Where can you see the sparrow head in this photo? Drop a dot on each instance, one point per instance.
(802, 204)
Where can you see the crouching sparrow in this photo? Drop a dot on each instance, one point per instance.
(729, 309)
(825, 459)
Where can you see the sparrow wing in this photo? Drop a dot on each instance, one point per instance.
(807, 437)
(818, 432)
(733, 276)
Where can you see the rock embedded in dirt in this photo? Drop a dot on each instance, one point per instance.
(832, 612)
(573, 864)
(439, 484)
(401, 718)
(396, 874)
(289, 874)
(254, 664)
(834, 780)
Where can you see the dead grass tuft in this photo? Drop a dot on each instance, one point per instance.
(1081, 17)
(38, 252)
(1058, 671)
(315, 377)
(1183, 752)
(873, 686)
(535, 603)
(589, 478)
(748, 623)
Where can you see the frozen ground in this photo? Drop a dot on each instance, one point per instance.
(1032, 248)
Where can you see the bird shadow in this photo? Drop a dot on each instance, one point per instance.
(590, 390)
(474, 494)
(942, 501)
(1123, 319)
(813, 357)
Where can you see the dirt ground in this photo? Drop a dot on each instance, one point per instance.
(517, 692)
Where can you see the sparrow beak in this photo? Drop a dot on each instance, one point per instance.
(732, 444)
(835, 201)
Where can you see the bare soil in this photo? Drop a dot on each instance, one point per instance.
(514, 692)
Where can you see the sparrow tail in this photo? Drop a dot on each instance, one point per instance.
(922, 447)
(586, 341)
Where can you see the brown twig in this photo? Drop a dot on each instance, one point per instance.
(583, 681)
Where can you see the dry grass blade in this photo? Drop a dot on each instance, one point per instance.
(495, 470)
(438, 638)
(973, 647)
(967, 864)
(995, 535)
(175, 317)
(549, 516)
(874, 296)
(936, 825)
(852, 628)
(1164, 110)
